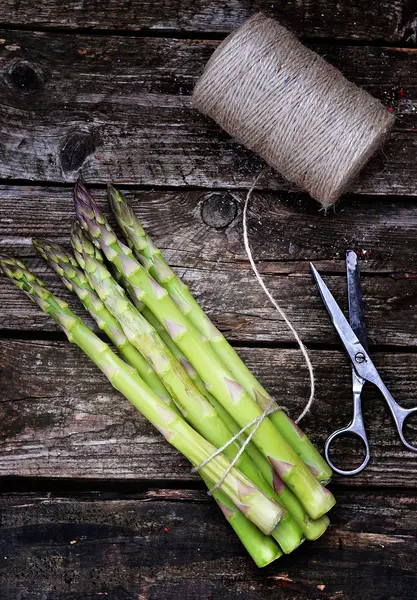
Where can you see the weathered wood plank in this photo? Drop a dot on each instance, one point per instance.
(201, 235)
(120, 108)
(357, 19)
(203, 229)
(175, 544)
(233, 299)
(59, 417)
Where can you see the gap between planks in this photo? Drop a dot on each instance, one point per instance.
(58, 336)
(118, 488)
(178, 34)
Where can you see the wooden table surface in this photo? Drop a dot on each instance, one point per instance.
(93, 503)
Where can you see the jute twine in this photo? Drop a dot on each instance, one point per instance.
(294, 109)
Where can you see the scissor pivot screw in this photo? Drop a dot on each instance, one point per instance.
(360, 357)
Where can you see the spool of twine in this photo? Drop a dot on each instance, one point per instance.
(290, 106)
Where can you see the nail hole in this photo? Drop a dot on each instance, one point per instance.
(23, 77)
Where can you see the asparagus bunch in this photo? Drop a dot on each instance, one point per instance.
(218, 379)
(194, 407)
(251, 514)
(184, 377)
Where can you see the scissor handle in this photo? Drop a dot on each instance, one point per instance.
(399, 413)
(352, 429)
(400, 420)
(356, 427)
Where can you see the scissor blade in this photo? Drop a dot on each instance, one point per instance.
(361, 361)
(345, 331)
(356, 310)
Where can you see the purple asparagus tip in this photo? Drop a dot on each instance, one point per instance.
(52, 251)
(111, 189)
(81, 192)
(83, 201)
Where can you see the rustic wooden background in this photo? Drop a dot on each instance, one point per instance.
(93, 504)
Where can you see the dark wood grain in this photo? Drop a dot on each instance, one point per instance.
(119, 107)
(59, 417)
(357, 19)
(175, 544)
(200, 233)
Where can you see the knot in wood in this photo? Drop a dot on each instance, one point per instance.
(24, 78)
(76, 148)
(218, 210)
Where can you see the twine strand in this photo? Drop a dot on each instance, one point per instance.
(269, 408)
(275, 303)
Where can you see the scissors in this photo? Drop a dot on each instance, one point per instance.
(355, 341)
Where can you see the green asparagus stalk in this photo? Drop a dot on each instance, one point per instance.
(75, 280)
(150, 317)
(220, 382)
(151, 257)
(195, 407)
(261, 547)
(260, 510)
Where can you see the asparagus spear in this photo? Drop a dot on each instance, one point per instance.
(152, 258)
(195, 407)
(75, 280)
(150, 317)
(220, 383)
(260, 510)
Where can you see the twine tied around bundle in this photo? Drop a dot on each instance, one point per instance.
(290, 106)
(255, 423)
